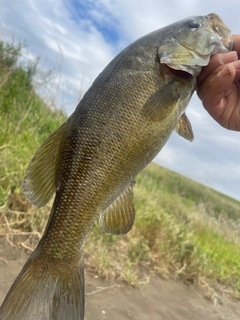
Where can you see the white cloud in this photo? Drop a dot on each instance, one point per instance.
(49, 30)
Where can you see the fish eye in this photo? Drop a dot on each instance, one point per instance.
(193, 24)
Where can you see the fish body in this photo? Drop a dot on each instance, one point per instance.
(91, 161)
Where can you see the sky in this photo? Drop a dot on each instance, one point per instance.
(76, 39)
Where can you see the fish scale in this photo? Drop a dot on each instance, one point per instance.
(91, 161)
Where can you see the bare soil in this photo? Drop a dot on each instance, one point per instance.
(156, 300)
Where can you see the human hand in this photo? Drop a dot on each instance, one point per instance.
(219, 87)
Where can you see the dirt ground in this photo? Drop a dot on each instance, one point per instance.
(157, 300)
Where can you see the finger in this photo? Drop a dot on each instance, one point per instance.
(222, 58)
(217, 86)
(216, 61)
(237, 68)
(226, 113)
(212, 89)
(233, 75)
(236, 43)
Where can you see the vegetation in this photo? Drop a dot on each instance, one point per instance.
(182, 228)
(25, 120)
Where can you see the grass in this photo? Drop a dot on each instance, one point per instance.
(191, 233)
(25, 119)
(182, 229)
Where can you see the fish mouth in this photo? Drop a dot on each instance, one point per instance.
(219, 28)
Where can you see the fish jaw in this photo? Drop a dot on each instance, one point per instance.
(193, 42)
(222, 32)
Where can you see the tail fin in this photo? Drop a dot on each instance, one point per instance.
(43, 293)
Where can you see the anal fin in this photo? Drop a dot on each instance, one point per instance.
(119, 217)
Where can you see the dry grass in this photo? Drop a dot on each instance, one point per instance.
(21, 224)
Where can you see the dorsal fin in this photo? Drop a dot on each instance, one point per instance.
(119, 217)
(39, 182)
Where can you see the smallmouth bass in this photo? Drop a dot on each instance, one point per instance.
(91, 161)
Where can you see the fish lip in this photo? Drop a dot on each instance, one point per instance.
(228, 42)
(220, 29)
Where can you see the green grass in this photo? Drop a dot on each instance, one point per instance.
(182, 228)
(25, 120)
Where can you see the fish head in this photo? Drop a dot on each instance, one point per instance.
(192, 41)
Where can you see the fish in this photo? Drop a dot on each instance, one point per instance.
(91, 161)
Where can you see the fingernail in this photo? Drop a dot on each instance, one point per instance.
(236, 65)
(227, 57)
(226, 71)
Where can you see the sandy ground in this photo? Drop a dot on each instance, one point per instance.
(157, 300)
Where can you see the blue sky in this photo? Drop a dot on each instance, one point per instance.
(98, 16)
(78, 38)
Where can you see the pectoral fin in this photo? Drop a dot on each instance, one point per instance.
(161, 103)
(119, 217)
(39, 182)
(184, 128)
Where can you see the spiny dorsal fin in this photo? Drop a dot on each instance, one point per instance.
(39, 182)
(119, 217)
(184, 128)
(161, 103)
